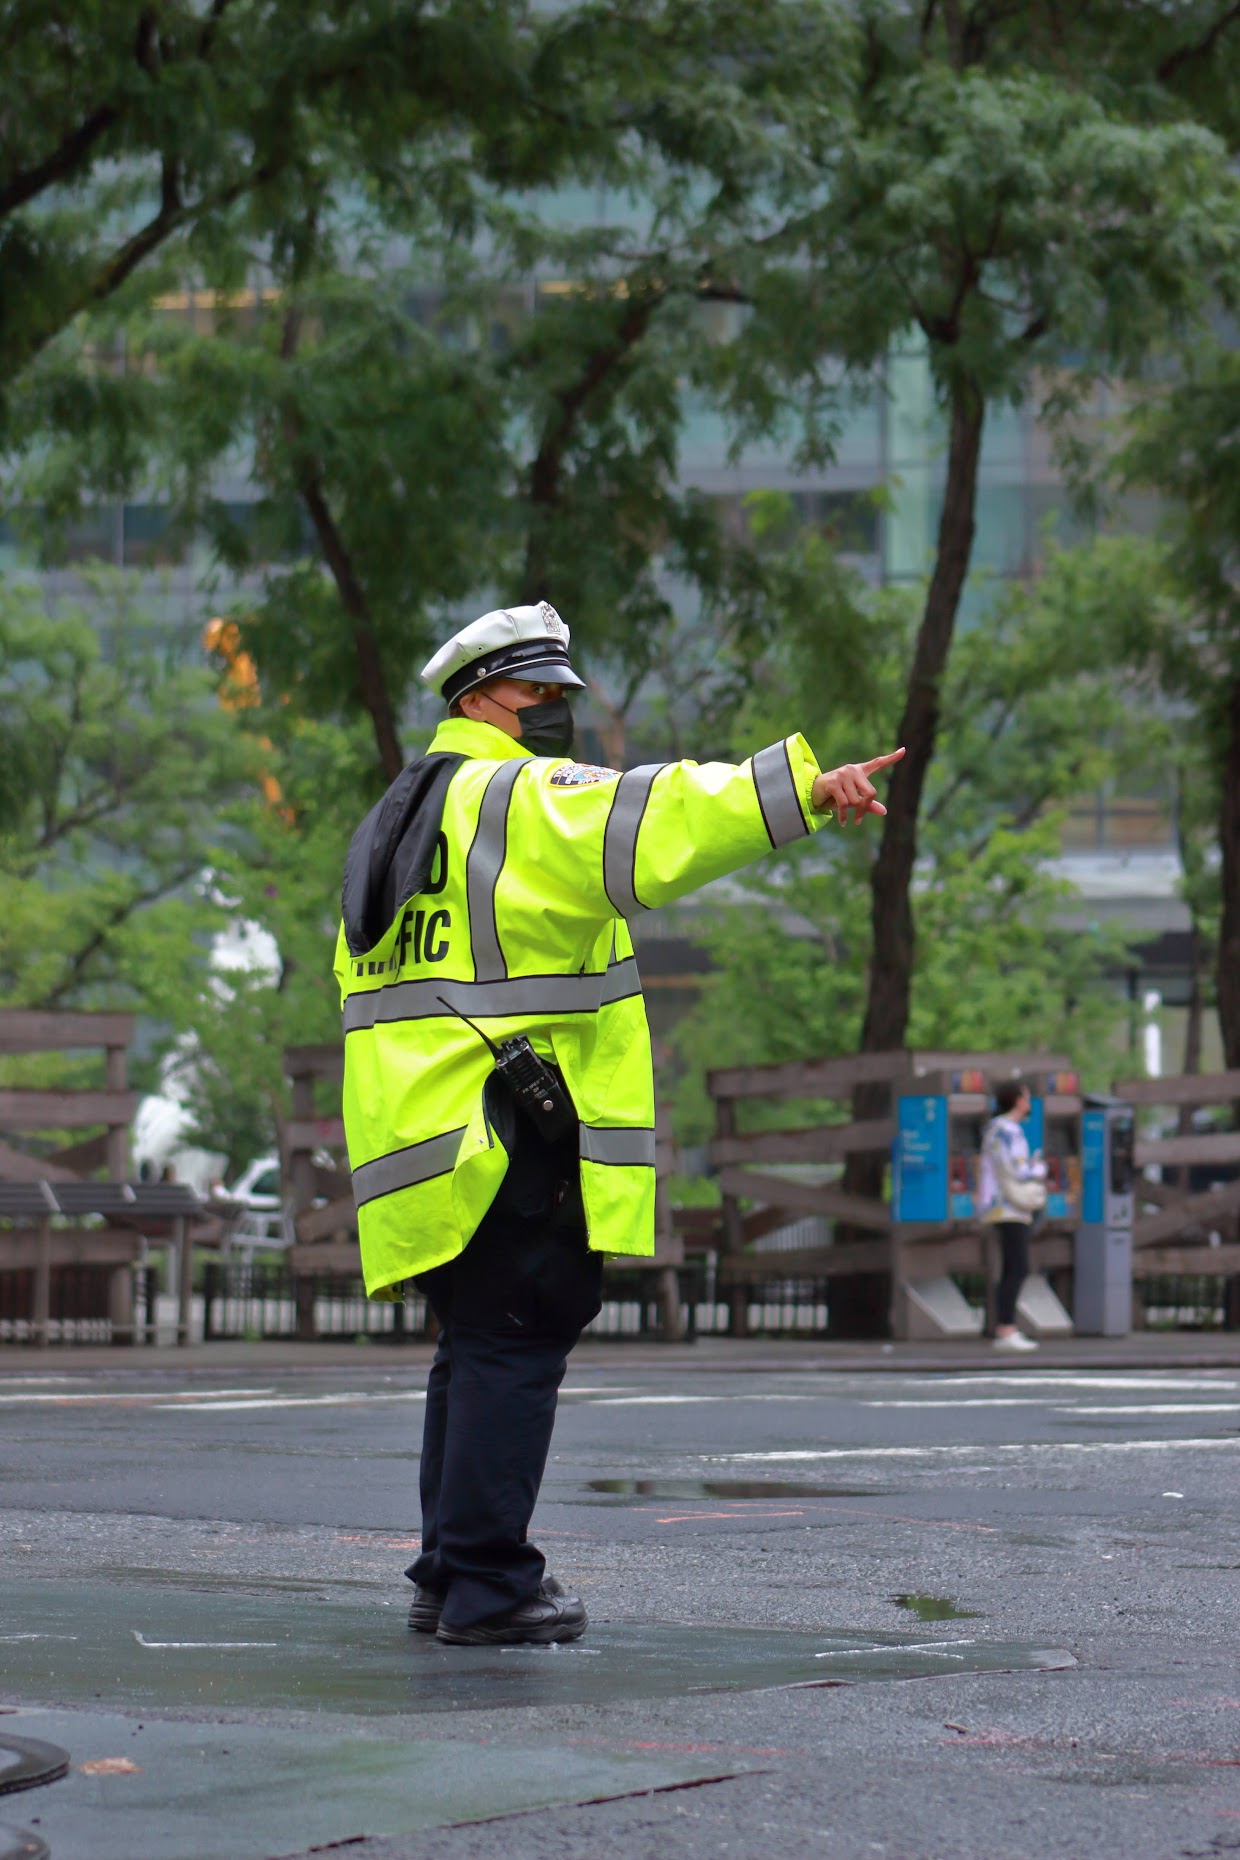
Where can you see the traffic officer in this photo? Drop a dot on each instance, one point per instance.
(487, 899)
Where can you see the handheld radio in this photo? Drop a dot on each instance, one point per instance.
(531, 1084)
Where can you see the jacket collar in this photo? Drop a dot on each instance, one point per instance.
(461, 736)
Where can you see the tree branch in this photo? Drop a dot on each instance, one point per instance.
(147, 48)
(1027, 815)
(102, 931)
(546, 470)
(60, 164)
(1191, 54)
(172, 213)
(966, 775)
(207, 37)
(308, 473)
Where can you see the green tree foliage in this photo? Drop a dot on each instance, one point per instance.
(130, 127)
(164, 853)
(115, 766)
(1008, 217)
(1037, 710)
(412, 442)
(1183, 441)
(441, 378)
(278, 873)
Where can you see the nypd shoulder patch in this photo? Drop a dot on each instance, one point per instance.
(581, 775)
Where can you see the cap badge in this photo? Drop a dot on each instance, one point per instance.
(552, 621)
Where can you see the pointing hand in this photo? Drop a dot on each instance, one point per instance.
(850, 787)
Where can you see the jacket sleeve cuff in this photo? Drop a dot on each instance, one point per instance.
(784, 777)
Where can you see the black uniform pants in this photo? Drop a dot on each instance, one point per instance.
(510, 1307)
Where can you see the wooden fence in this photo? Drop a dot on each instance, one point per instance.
(326, 1244)
(54, 1265)
(746, 1161)
(903, 1255)
(1177, 1216)
(49, 1253)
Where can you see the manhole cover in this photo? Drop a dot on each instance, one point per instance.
(21, 1844)
(25, 1763)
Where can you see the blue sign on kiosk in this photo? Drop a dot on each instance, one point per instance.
(919, 1159)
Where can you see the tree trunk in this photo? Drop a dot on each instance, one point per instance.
(1228, 972)
(372, 682)
(860, 1306)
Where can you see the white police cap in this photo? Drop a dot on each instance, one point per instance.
(510, 642)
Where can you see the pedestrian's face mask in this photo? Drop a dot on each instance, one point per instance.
(546, 729)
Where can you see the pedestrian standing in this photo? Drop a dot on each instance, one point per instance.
(1012, 1192)
(498, 1090)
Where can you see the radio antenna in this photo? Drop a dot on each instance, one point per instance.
(469, 1023)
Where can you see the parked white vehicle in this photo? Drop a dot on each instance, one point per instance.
(258, 1190)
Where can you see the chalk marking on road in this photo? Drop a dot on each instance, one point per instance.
(345, 1399)
(814, 1510)
(215, 1646)
(380, 1543)
(1054, 1399)
(1166, 1407)
(1051, 1399)
(667, 1401)
(588, 1388)
(176, 1398)
(7, 1638)
(963, 1452)
(1049, 1378)
(919, 1646)
(691, 1517)
(555, 1646)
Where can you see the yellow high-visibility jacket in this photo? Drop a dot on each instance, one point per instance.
(523, 928)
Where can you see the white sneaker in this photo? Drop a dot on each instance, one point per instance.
(1017, 1341)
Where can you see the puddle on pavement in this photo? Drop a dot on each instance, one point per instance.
(730, 1488)
(934, 1608)
(245, 1791)
(170, 1649)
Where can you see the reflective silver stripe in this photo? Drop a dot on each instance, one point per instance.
(777, 795)
(541, 997)
(404, 1168)
(483, 866)
(622, 980)
(620, 837)
(631, 1147)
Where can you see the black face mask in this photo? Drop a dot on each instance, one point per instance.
(545, 729)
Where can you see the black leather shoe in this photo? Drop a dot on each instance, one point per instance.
(425, 1609)
(427, 1605)
(546, 1617)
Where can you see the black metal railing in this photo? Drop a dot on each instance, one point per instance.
(253, 1300)
(1190, 1301)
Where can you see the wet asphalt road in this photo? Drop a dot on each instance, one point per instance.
(1012, 1505)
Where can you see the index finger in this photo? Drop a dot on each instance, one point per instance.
(882, 762)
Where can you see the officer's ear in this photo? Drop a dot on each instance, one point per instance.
(469, 705)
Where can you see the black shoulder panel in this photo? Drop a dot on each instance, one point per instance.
(391, 855)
